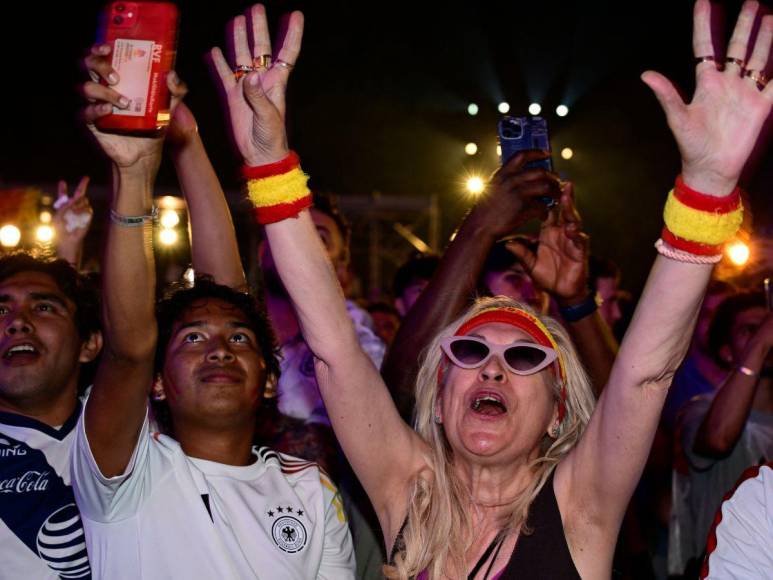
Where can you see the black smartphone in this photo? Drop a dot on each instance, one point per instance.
(518, 134)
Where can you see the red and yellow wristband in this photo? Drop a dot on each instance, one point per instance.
(700, 224)
(278, 190)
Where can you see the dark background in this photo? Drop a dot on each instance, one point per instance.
(378, 100)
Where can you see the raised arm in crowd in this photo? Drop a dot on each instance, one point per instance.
(507, 438)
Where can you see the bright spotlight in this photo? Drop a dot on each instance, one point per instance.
(567, 153)
(475, 185)
(503, 107)
(535, 109)
(499, 150)
(471, 148)
(10, 236)
(44, 233)
(45, 217)
(472, 109)
(738, 252)
(562, 110)
(169, 218)
(168, 237)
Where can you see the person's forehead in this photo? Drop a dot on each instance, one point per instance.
(212, 311)
(500, 332)
(26, 284)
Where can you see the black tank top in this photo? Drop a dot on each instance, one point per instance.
(541, 555)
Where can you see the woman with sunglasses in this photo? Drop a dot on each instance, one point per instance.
(510, 471)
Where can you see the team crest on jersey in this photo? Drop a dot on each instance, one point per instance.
(287, 530)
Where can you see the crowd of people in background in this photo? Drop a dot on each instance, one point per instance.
(505, 410)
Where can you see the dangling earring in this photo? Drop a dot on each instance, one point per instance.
(438, 420)
(554, 432)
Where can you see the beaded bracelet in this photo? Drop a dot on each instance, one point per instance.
(665, 249)
(277, 190)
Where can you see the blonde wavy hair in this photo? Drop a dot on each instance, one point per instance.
(439, 526)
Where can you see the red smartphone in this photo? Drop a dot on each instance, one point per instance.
(143, 36)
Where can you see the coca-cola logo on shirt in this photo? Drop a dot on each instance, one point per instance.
(29, 481)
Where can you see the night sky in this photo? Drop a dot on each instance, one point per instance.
(378, 100)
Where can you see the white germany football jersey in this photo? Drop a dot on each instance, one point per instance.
(41, 535)
(171, 516)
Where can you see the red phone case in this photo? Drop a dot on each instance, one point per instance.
(143, 36)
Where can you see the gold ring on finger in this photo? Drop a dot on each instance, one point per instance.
(262, 61)
(758, 77)
(284, 64)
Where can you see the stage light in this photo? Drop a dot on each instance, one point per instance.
(44, 233)
(168, 237)
(471, 148)
(45, 217)
(472, 109)
(503, 108)
(190, 276)
(535, 109)
(738, 252)
(169, 218)
(562, 110)
(10, 236)
(499, 151)
(475, 185)
(567, 153)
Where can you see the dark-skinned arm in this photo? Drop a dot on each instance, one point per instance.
(723, 424)
(214, 247)
(560, 267)
(511, 199)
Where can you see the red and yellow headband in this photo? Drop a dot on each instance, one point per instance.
(530, 324)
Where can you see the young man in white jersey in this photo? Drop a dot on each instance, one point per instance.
(49, 328)
(198, 501)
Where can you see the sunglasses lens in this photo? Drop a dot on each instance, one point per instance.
(524, 358)
(469, 352)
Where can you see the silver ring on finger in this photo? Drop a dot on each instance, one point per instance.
(262, 61)
(758, 77)
(284, 64)
(242, 70)
(94, 76)
(736, 61)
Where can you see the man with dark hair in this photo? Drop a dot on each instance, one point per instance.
(180, 298)
(720, 435)
(50, 329)
(386, 321)
(199, 501)
(504, 274)
(411, 278)
(604, 280)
